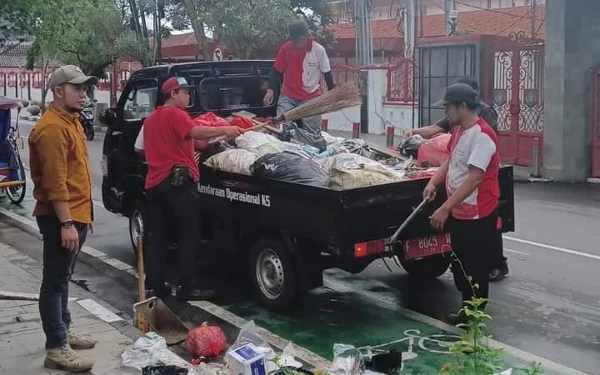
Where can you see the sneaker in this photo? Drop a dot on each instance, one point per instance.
(78, 341)
(184, 294)
(66, 359)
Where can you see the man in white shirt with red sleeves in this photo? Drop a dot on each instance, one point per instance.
(300, 63)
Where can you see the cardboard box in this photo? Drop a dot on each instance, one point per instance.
(246, 360)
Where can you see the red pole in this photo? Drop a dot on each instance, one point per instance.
(390, 136)
(356, 130)
(324, 124)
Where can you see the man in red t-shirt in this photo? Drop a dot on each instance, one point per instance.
(300, 63)
(471, 179)
(171, 187)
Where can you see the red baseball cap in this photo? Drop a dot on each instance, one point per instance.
(175, 83)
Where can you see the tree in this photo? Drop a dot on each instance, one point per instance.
(86, 33)
(250, 26)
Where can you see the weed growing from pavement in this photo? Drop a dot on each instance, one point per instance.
(472, 354)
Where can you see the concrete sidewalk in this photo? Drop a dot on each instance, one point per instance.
(22, 346)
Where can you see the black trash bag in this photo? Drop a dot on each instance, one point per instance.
(303, 134)
(385, 363)
(213, 149)
(410, 146)
(164, 370)
(290, 167)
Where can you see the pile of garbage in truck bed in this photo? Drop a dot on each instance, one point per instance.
(296, 153)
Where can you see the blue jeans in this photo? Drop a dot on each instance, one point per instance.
(59, 264)
(285, 103)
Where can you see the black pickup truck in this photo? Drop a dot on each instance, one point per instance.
(288, 233)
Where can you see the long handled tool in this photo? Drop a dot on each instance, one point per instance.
(391, 242)
(341, 97)
(258, 126)
(153, 314)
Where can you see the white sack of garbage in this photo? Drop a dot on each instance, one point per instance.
(350, 171)
(236, 160)
(259, 143)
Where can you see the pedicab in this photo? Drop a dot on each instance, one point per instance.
(12, 172)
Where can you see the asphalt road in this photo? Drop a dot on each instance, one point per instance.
(550, 303)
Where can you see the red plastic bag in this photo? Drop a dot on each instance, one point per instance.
(210, 119)
(201, 144)
(241, 122)
(206, 341)
(434, 151)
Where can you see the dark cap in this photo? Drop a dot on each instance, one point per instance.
(459, 93)
(297, 29)
(174, 83)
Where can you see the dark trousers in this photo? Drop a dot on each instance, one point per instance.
(176, 208)
(59, 264)
(498, 258)
(474, 242)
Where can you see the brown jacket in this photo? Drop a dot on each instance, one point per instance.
(59, 165)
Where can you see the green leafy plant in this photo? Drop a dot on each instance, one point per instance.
(283, 370)
(472, 354)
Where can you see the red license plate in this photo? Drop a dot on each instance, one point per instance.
(427, 246)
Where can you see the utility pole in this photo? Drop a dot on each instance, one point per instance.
(410, 27)
(364, 52)
(450, 16)
(533, 6)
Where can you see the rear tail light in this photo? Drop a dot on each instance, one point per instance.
(104, 165)
(364, 249)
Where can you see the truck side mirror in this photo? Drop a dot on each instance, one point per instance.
(109, 117)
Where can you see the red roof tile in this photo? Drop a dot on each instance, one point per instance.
(481, 22)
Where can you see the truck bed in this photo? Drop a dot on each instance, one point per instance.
(337, 219)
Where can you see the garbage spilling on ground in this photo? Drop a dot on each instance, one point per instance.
(296, 153)
(251, 354)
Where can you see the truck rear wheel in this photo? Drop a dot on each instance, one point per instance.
(273, 274)
(429, 267)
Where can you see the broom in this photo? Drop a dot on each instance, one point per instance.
(341, 97)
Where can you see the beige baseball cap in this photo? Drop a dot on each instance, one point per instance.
(70, 74)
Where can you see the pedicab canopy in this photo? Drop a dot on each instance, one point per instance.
(7, 103)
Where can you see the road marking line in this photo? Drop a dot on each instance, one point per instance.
(99, 311)
(554, 248)
(93, 252)
(121, 266)
(515, 252)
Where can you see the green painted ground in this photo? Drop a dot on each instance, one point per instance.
(328, 317)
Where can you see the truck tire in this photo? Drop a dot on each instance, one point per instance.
(429, 267)
(273, 273)
(138, 223)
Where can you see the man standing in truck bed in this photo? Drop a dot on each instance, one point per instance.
(300, 63)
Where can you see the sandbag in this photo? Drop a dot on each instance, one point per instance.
(235, 161)
(434, 151)
(350, 171)
(290, 167)
(259, 143)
